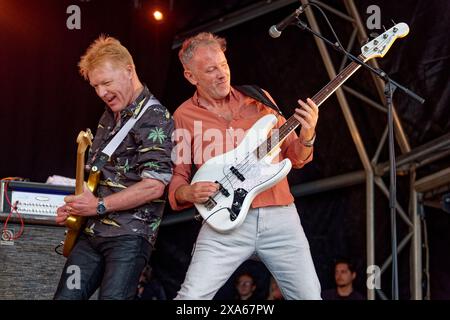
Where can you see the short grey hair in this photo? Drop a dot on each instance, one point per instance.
(202, 39)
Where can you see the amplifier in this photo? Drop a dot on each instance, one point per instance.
(30, 267)
(36, 202)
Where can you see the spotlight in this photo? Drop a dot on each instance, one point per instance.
(158, 15)
(157, 11)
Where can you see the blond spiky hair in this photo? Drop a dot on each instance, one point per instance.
(103, 49)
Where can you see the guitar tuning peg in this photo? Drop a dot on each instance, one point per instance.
(384, 34)
(374, 34)
(395, 28)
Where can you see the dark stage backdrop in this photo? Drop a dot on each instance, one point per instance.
(45, 103)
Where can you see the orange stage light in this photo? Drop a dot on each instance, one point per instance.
(158, 15)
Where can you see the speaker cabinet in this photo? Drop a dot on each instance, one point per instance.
(29, 266)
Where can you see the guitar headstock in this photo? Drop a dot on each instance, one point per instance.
(381, 44)
(84, 140)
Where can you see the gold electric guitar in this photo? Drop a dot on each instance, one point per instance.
(75, 223)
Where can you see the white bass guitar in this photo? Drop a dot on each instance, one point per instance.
(246, 171)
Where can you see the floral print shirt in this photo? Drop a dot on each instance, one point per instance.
(144, 153)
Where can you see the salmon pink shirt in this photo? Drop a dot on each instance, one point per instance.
(201, 134)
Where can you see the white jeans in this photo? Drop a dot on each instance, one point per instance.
(274, 234)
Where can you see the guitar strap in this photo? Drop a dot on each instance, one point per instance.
(255, 92)
(106, 153)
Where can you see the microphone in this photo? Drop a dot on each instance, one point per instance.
(275, 30)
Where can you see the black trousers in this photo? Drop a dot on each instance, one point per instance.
(114, 264)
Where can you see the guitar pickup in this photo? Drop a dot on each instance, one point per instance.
(237, 173)
(223, 190)
(210, 203)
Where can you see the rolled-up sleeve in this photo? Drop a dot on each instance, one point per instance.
(182, 159)
(292, 147)
(155, 146)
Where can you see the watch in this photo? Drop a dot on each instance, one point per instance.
(309, 143)
(101, 208)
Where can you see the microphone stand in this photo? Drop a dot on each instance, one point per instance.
(390, 87)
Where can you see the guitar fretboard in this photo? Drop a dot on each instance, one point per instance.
(292, 123)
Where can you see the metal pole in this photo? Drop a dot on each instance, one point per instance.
(370, 230)
(416, 246)
(370, 245)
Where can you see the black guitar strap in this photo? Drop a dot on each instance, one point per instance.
(255, 92)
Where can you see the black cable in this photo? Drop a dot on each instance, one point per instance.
(316, 5)
(57, 247)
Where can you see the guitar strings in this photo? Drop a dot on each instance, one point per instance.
(250, 159)
(230, 178)
(321, 96)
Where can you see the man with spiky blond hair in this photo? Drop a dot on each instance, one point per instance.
(124, 215)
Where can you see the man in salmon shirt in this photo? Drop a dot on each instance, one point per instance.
(272, 228)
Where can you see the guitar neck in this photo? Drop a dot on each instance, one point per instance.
(292, 123)
(79, 173)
